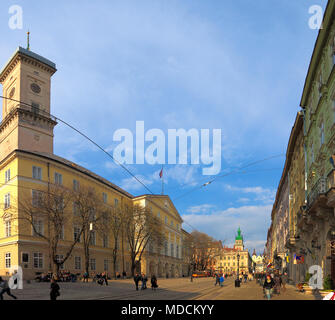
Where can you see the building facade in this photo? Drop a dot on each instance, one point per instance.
(234, 259)
(27, 165)
(310, 167)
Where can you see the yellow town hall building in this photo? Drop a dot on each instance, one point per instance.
(27, 164)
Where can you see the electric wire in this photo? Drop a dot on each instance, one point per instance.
(85, 136)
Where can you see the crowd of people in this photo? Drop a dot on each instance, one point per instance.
(144, 279)
(273, 282)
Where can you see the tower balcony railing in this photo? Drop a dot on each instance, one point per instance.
(319, 188)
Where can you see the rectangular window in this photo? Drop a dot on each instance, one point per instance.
(61, 235)
(75, 185)
(166, 248)
(322, 133)
(105, 241)
(38, 260)
(172, 250)
(7, 175)
(76, 234)
(8, 260)
(92, 238)
(36, 198)
(116, 203)
(59, 258)
(105, 265)
(8, 228)
(38, 228)
(37, 173)
(25, 257)
(166, 220)
(7, 200)
(77, 263)
(58, 178)
(92, 264)
(104, 197)
(75, 209)
(177, 251)
(158, 215)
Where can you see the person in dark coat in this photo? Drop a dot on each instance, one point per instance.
(54, 293)
(154, 284)
(268, 286)
(137, 279)
(5, 289)
(144, 279)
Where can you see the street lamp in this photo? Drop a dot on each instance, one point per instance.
(238, 266)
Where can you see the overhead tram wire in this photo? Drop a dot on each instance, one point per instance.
(86, 137)
(228, 173)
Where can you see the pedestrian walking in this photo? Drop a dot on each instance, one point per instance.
(268, 286)
(277, 280)
(137, 279)
(54, 293)
(284, 281)
(217, 279)
(5, 289)
(85, 276)
(154, 284)
(221, 280)
(192, 277)
(245, 276)
(144, 281)
(105, 278)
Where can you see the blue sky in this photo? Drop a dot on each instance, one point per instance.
(235, 65)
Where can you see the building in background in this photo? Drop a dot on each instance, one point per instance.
(231, 258)
(309, 172)
(28, 165)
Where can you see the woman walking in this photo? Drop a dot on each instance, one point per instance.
(268, 285)
(54, 293)
(154, 284)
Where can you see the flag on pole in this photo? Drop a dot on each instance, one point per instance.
(161, 173)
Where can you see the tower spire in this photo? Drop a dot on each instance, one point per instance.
(28, 40)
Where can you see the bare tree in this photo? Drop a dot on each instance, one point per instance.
(49, 206)
(111, 223)
(88, 211)
(141, 227)
(204, 249)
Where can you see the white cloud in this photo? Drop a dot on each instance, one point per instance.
(203, 208)
(222, 225)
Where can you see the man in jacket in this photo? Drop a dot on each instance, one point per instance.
(5, 289)
(137, 280)
(268, 286)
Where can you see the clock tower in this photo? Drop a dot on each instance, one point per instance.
(239, 241)
(26, 122)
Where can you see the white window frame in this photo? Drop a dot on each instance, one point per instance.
(93, 238)
(7, 175)
(8, 228)
(105, 241)
(8, 260)
(36, 195)
(93, 264)
(58, 178)
(37, 173)
(75, 185)
(104, 197)
(77, 263)
(7, 200)
(40, 229)
(106, 264)
(75, 228)
(39, 258)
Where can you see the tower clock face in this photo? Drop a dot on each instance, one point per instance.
(35, 88)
